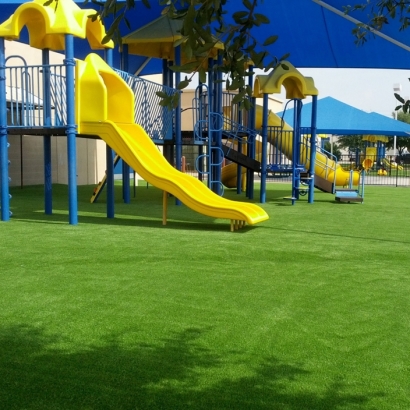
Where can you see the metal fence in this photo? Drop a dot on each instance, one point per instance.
(379, 171)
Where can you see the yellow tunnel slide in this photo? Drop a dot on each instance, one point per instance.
(324, 167)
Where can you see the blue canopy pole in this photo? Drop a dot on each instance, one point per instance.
(109, 159)
(265, 113)
(71, 131)
(125, 167)
(312, 151)
(4, 158)
(48, 198)
(178, 135)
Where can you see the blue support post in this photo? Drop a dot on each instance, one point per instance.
(126, 190)
(218, 134)
(71, 131)
(296, 150)
(48, 197)
(239, 167)
(165, 72)
(210, 167)
(178, 135)
(110, 160)
(312, 151)
(264, 147)
(4, 158)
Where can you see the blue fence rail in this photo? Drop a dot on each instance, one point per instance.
(148, 112)
(27, 102)
(30, 105)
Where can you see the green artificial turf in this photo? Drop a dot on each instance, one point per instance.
(309, 310)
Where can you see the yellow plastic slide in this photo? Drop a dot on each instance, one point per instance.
(391, 164)
(324, 167)
(104, 107)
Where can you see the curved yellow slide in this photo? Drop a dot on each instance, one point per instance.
(391, 164)
(104, 107)
(324, 167)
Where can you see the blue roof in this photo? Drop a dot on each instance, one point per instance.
(316, 35)
(338, 118)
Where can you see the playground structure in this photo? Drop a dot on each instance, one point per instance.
(122, 109)
(102, 106)
(375, 155)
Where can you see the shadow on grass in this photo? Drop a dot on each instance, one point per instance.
(144, 211)
(61, 217)
(175, 373)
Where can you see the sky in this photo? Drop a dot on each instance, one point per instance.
(368, 90)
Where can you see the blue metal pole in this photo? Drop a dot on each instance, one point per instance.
(126, 190)
(71, 131)
(211, 160)
(312, 151)
(165, 72)
(48, 197)
(4, 159)
(264, 147)
(218, 134)
(110, 159)
(251, 144)
(178, 111)
(296, 150)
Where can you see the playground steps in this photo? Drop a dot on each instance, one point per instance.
(324, 185)
(98, 189)
(348, 195)
(241, 159)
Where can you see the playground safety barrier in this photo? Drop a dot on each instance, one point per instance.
(156, 119)
(25, 94)
(28, 106)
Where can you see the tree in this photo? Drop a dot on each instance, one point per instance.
(381, 12)
(402, 143)
(351, 142)
(204, 23)
(334, 149)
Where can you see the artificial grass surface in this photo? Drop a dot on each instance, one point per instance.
(309, 310)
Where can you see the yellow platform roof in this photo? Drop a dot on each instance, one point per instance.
(296, 84)
(48, 24)
(159, 38)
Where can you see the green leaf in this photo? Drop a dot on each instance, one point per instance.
(240, 17)
(284, 57)
(189, 20)
(183, 84)
(161, 94)
(202, 75)
(261, 18)
(399, 98)
(270, 40)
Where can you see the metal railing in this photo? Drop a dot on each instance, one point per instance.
(156, 120)
(28, 101)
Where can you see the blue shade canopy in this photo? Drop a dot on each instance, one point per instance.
(337, 118)
(316, 33)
